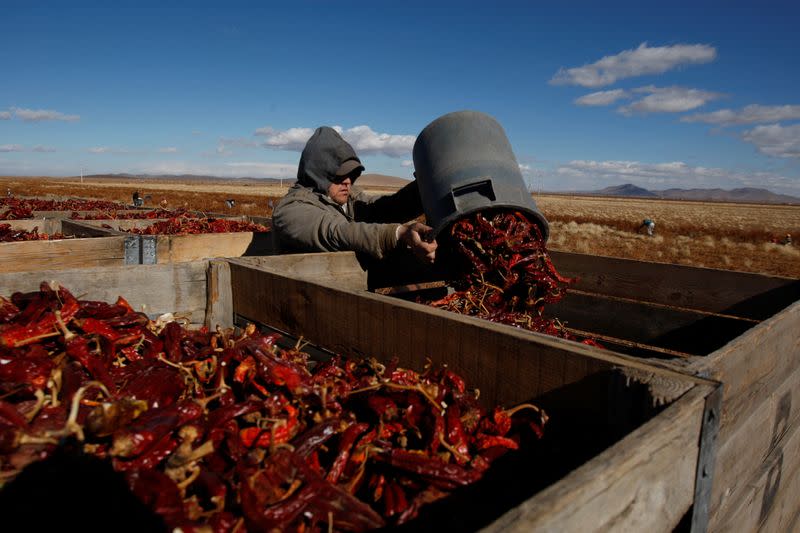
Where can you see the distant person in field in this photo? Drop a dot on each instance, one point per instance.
(649, 225)
(325, 212)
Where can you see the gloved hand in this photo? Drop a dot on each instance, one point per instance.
(416, 236)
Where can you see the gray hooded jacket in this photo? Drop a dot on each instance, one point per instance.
(307, 220)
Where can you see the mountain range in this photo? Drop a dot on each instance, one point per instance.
(745, 195)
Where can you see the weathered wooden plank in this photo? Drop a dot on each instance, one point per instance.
(719, 291)
(356, 324)
(753, 365)
(42, 225)
(643, 483)
(770, 495)
(62, 253)
(88, 228)
(681, 330)
(220, 301)
(749, 449)
(153, 289)
(178, 248)
(339, 269)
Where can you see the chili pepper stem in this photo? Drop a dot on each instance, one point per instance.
(72, 425)
(514, 410)
(451, 449)
(40, 399)
(23, 342)
(68, 335)
(54, 384)
(398, 386)
(195, 471)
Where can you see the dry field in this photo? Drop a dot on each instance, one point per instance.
(708, 234)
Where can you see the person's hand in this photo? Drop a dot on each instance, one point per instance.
(416, 236)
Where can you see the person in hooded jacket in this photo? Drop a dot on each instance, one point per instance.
(324, 212)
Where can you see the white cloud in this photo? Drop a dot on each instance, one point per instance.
(11, 148)
(364, 140)
(589, 175)
(406, 163)
(668, 100)
(108, 150)
(775, 140)
(751, 114)
(39, 115)
(5, 115)
(293, 139)
(638, 62)
(43, 149)
(168, 150)
(602, 97)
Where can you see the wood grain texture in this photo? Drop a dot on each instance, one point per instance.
(180, 248)
(751, 449)
(681, 330)
(510, 365)
(340, 269)
(643, 483)
(717, 291)
(219, 309)
(64, 253)
(153, 289)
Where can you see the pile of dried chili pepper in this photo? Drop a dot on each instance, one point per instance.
(8, 234)
(24, 205)
(226, 431)
(193, 226)
(502, 272)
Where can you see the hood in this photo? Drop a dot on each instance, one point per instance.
(322, 156)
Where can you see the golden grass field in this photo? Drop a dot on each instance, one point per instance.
(708, 234)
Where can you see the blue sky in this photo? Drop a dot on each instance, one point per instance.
(694, 94)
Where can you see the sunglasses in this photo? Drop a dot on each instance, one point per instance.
(339, 179)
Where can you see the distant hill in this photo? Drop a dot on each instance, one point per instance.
(626, 190)
(745, 195)
(380, 180)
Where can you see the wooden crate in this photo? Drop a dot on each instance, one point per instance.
(625, 439)
(119, 249)
(160, 249)
(737, 328)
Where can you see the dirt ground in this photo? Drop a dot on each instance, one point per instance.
(744, 237)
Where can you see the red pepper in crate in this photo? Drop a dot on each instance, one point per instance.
(226, 430)
(186, 226)
(504, 272)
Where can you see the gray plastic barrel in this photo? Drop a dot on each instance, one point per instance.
(463, 163)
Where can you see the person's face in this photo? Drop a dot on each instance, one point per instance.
(339, 191)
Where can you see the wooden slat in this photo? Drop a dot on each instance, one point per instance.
(339, 269)
(718, 291)
(511, 365)
(64, 253)
(153, 289)
(754, 365)
(87, 228)
(644, 483)
(750, 449)
(43, 225)
(178, 248)
(770, 497)
(665, 327)
(220, 301)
